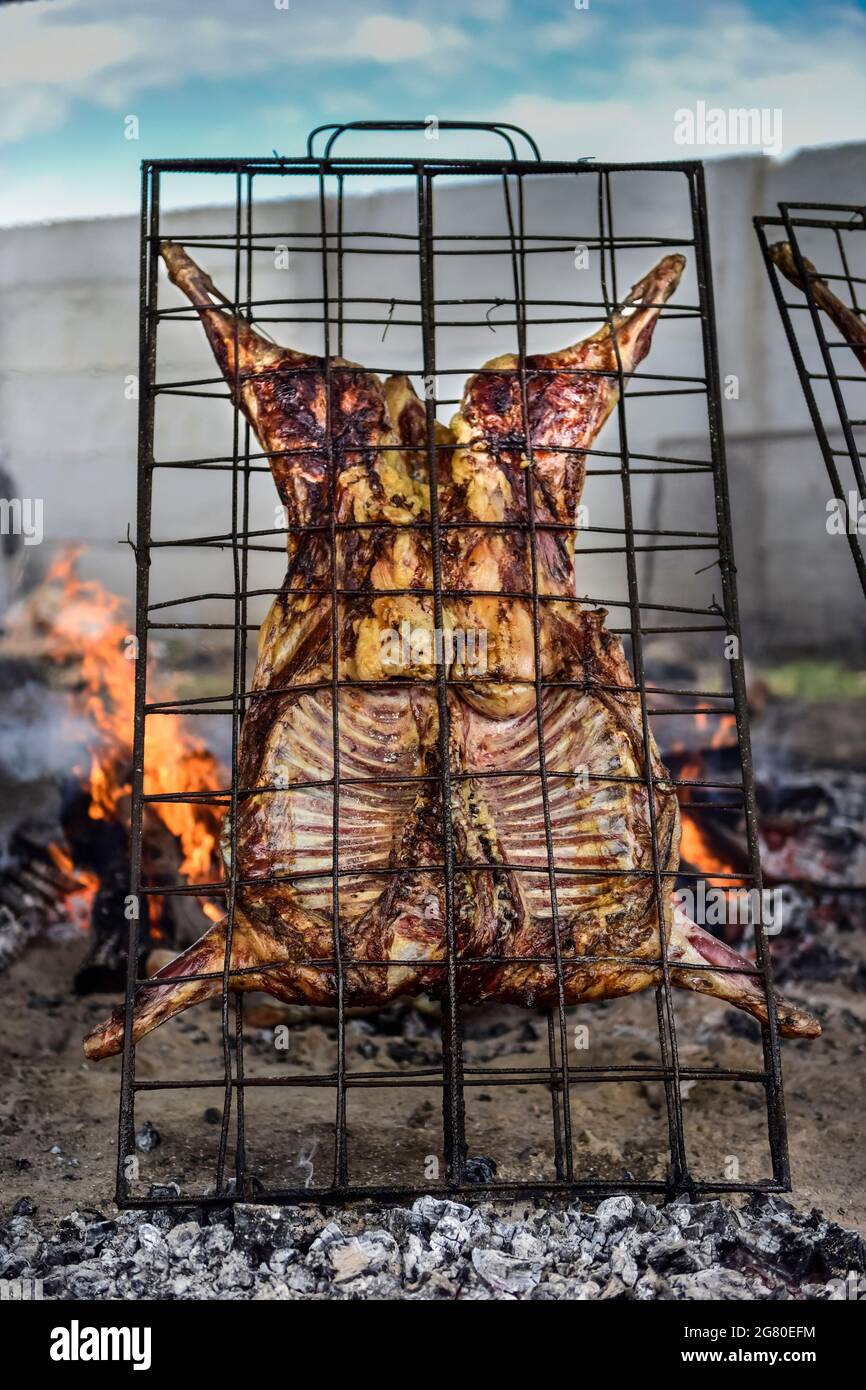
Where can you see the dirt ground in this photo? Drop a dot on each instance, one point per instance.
(58, 1113)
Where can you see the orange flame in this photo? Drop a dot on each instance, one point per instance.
(695, 845)
(726, 733)
(87, 628)
(78, 903)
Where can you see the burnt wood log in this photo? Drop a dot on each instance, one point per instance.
(104, 969)
(103, 847)
(182, 920)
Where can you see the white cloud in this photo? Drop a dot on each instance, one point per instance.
(59, 54)
(56, 55)
(725, 59)
(46, 61)
(388, 40)
(490, 10)
(30, 112)
(575, 30)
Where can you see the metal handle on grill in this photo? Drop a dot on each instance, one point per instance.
(500, 128)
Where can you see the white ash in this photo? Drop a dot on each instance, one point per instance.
(623, 1248)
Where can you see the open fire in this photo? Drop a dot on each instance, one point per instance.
(84, 630)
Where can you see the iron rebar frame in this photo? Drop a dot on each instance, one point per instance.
(454, 1076)
(841, 221)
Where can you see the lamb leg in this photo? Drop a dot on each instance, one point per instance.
(569, 395)
(849, 324)
(274, 948)
(690, 945)
(225, 330)
(156, 1003)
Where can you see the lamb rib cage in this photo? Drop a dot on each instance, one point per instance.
(517, 244)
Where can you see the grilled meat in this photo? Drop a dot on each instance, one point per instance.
(343, 444)
(849, 324)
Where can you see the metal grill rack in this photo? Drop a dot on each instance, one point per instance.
(341, 255)
(832, 236)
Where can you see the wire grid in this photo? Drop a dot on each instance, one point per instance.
(455, 1076)
(819, 231)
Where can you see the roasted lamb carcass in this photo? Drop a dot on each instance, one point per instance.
(849, 324)
(343, 444)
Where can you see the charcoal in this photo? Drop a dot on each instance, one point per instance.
(431, 1210)
(234, 1272)
(505, 1274)
(671, 1254)
(260, 1230)
(147, 1137)
(527, 1246)
(14, 1266)
(820, 962)
(420, 1262)
(624, 1249)
(763, 1203)
(161, 1190)
(480, 1170)
(99, 1231)
(58, 1256)
(218, 1240)
(372, 1253)
(182, 1240)
(838, 1252)
(623, 1264)
(88, 1281)
(716, 1284)
(614, 1213)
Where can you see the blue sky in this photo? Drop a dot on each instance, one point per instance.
(227, 77)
